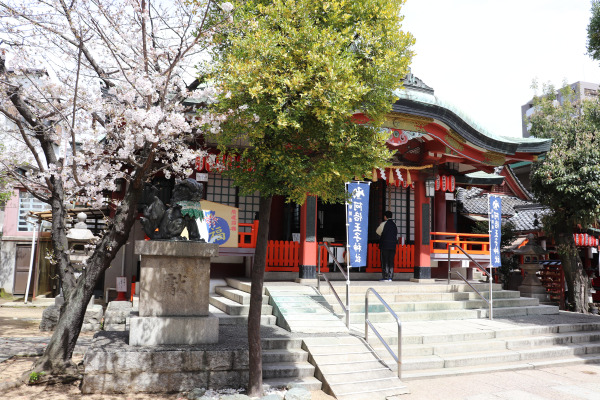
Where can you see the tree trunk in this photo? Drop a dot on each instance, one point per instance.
(255, 387)
(575, 277)
(56, 363)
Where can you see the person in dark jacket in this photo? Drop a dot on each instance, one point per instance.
(388, 233)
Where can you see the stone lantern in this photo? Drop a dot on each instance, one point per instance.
(532, 253)
(79, 238)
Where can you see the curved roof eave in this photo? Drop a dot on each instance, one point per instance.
(428, 105)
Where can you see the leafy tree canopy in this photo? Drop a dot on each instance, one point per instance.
(290, 76)
(568, 178)
(593, 40)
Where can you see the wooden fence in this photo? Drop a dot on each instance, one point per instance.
(285, 256)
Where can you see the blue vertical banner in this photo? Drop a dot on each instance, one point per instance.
(357, 222)
(495, 213)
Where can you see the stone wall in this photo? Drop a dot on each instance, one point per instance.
(112, 366)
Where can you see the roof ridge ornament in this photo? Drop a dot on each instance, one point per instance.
(412, 82)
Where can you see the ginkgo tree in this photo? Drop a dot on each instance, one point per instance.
(290, 75)
(93, 91)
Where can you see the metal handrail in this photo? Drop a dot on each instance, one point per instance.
(480, 267)
(345, 307)
(368, 323)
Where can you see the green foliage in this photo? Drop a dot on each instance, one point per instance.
(35, 377)
(291, 74)
(507, 231)
(593, 32)
(567, 179)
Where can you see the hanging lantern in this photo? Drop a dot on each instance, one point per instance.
(451, 183)
(576, 238)
(444, 183)
(438, 183)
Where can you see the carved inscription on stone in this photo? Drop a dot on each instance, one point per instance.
(176, 283)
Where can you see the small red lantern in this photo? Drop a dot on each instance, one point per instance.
(451, 183)
(438, 183)
(444, 183)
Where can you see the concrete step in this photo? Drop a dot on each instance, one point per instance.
(516, 333)
(232, 307)
(226, 319)
(359, 318)
(413, 306)
(284, 356)
(307, 382)
(498, 356)
(513, 366)
(400, 287)
(239, 284)
(393, 297)
(281, 343)
(288, 370)
(237, 295)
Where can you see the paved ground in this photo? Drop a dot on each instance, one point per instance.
(18, 336)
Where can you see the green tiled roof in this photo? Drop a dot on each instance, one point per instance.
(424, 103)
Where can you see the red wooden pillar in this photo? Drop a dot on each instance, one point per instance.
(308, 239)
(440, 224)
(422, 234)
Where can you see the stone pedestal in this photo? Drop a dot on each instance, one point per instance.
(174, 289)
(532, 286)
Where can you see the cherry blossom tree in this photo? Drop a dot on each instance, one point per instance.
(94, 92)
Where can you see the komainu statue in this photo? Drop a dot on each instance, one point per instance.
(167, 223)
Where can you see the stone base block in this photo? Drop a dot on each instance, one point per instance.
(152, 331)
(113, 366)
(117, 312)
(91, 321)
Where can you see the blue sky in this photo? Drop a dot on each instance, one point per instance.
(482, 55)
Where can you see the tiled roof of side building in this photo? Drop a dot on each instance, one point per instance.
(525, 217)
(523, 214)
(474, 201)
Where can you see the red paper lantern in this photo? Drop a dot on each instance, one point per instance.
(451, 183)
(438, 183)
(444, 183)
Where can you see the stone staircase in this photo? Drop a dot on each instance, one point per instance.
(425, 302)
(446, 331)
(492, 346)
(231, 304)
(284, 360)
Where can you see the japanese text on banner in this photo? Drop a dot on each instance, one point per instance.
(357, 211)
(495, 213)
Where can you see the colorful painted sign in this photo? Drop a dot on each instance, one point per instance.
(219, 225)
(357, 223)
(495, 212)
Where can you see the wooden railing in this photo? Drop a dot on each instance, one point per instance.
(472, 243)
(282, 256)
(285, 255)
(404, 260)
(248, 237)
